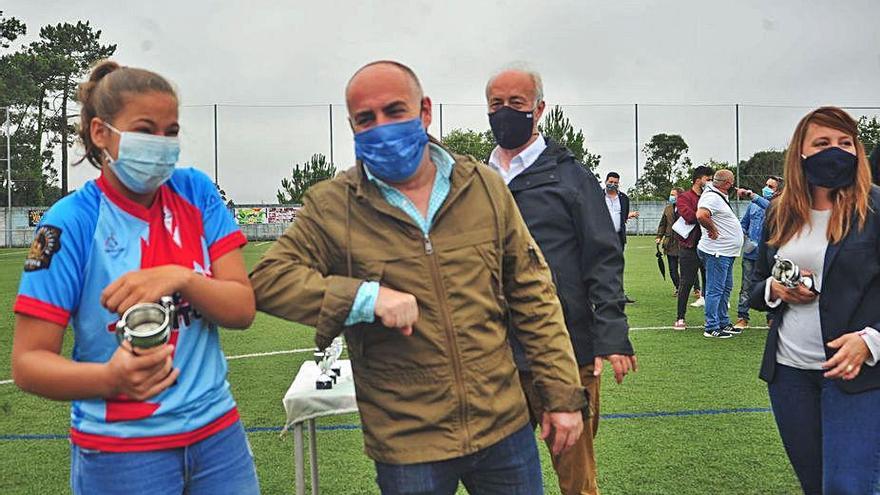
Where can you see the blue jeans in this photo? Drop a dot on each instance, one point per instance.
(510, 467)
(218, 465)
(832, 438)
(719, 285)
(745, 288)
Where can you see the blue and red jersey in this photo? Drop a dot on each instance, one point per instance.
(92, 237)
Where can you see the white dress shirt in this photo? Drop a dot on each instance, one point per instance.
(520, 162)
(613, 203)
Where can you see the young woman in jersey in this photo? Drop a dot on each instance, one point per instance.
(159, 420)
(820, 361)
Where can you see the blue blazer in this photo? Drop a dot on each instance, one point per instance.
(850, 299)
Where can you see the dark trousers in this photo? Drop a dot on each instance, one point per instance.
(832, 438)
(672, 261)
(510, 467)
(689, 264)
(745, 288)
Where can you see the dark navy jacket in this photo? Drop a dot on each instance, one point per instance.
(850, 299)
(564, 208)
(624, 213)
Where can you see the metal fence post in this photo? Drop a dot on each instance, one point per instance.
(216, 157)
(8, 180)
(441, 122)
(331, 134)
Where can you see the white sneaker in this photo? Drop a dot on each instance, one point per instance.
(699, 302)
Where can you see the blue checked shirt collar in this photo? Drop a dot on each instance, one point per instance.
(444, 163)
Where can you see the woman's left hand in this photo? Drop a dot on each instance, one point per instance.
(851, 353)
(148, 285)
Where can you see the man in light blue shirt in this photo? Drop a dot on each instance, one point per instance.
(420, 258)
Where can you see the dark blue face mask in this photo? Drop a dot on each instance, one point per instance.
(392, 152)
(832, 168)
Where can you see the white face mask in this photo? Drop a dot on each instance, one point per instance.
(144, 161)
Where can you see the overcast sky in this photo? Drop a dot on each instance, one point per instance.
(274, 67)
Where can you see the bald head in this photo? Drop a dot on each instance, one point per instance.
(723, 179)
(385, 69)
(383, 92)
(521, 79)
(723, 175)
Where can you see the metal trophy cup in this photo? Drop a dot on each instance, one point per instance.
(787, 273)
(147, 325)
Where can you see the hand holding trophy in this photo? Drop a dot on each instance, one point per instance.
(787, 273)
(147, 325)
(792, 284)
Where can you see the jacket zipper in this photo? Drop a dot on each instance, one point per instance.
(450, 338)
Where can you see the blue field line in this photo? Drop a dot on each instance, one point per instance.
(699, 412)
(33, 437)
(273, 429)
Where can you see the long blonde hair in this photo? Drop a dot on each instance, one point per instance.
(791, 211)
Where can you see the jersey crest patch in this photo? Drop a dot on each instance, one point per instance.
(46, 243)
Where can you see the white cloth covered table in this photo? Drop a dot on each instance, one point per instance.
(303, 403)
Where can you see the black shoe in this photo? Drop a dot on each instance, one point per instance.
(732, 330)
(716, 334)
(628, 300)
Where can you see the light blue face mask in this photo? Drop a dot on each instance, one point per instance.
(144, 161)
(767, 192)
(672, 200)
(392, 152)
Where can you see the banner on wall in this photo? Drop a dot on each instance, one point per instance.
(281, 214)
(250, 216)
(34, 217)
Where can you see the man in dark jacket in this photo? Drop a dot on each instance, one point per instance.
(618, 207)
(564, 210)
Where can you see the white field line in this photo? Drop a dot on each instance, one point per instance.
(272, 353)
(263, 243)
(4, 254)
(692, 327)
(311, 349)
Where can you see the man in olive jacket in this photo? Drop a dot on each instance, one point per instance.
(408, 255)
(565, 211)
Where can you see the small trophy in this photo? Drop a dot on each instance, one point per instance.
(324, 382)
(147, 325)
(787, 273)
(327, 362)
(335, 352)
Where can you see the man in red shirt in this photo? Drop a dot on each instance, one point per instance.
(689, 263)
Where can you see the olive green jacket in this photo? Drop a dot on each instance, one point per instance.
(451, 388)
(665, 233)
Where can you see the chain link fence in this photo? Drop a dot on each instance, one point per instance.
(248, 149)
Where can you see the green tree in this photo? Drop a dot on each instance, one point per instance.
(10, 29)
(684, 179)
(20, 76)
(869, 132)
(753, 172)
(469, 142)
(558, 127)
(303, 177)
(37, 84)
(667, 164)
(69, 50)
